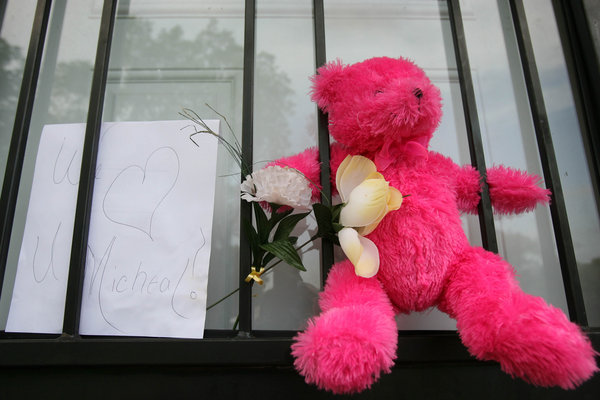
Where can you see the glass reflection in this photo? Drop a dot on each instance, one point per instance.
(285, 124)
(582, 208)
(14, 38)
(526, 241)
(167, 56)
(62, 96)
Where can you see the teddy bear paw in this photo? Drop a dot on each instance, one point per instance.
(541, 346)
(345, 349)
(560, 355)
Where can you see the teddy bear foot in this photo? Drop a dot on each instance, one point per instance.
(543, 347)
(345, 349)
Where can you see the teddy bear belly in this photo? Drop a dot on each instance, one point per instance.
(416, 292)
(415, 263)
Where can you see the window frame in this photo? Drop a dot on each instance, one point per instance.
(248, 347)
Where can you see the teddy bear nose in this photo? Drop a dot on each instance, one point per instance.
(418, 93)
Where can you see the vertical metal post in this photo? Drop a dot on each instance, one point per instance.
(245, 295)
(88, 170)
(486, 217)
(49, 63)
(583, 68)
(323, 135)
(18, 143)
(562, 232)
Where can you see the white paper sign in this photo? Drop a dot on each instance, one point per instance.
(149, 243)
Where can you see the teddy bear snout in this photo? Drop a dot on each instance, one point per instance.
(405, 108)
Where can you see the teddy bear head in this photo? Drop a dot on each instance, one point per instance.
(377, 101)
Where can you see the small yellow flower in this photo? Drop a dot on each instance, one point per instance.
(368, 198)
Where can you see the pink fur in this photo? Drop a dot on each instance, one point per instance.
(376, 110)
(306, 162)
(514, 191)
(347, 347)
(497, 321)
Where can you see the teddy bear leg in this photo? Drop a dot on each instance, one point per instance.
(498, 321)
(346, 348)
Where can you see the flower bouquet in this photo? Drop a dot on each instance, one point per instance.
(277, 192)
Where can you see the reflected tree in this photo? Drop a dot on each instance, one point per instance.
(11, 62)
(69, 102)
(168, 56)
(538, 277)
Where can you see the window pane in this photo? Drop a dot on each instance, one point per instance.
(169, 55)
(419, 31)
(14, 40)
(62, 97)
(526, 240)
(582, 206)
(285, 124)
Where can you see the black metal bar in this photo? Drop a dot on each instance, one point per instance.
(88, 170)
(583, 69)
(49, 63)
(18, 143)
(245, 294)
(323, 135)
(562, 233)
(486, 217)
(413, 347)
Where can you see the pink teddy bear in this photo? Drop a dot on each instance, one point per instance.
(387, 110)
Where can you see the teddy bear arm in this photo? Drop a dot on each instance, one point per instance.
(464, 180)
(306, 162)
(468, 189)
(336, 156)
(513, 191)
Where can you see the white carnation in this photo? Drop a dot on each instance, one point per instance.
(278, 185)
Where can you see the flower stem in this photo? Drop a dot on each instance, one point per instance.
(223, 299)
(298, 248)
(266, 270)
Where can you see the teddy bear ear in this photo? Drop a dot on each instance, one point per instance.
(325, 83)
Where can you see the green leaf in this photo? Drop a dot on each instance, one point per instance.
(251, 235)
(277, 216)
(336, 211)
(287, 225)
(262, 223)
(324, 219)
(285, 250)
(337, 227)
(270, 256)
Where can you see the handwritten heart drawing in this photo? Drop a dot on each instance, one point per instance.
(137, 192)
